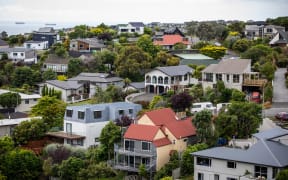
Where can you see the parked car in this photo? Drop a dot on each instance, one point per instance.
(255, 97)
(282, 116)
(196, 107)
(222, 106)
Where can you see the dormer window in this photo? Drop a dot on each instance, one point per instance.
(81, 115)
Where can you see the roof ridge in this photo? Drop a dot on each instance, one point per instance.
(269, 150)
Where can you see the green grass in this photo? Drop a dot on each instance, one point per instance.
(89, 101)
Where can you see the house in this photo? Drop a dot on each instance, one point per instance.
(173, 31)
(25, 55)
(83, 86)
(152, 139)
(280, 39)
(161, 79)
(87, 45)
(264, 158)
(3, 44)
(195, 58)
(37, 45)
(83, 124)
(27, 100)
(230, 71)
(46, 34)
(168, 41)
(131, 27)
(136, 86)
(254, 29)
(56, 63)
(271, 30)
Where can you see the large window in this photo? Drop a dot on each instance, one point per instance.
(236, 78)
(160, 80)
(231, 164)
(68, 128)
(166, 79)
(229, 178)
(129, 145)
(185, 77)
(154, 79)
(145, 146)
(228, 78)
(97, 114)
(81, 115)
(216, 176)
(218, 77)
(148, 79)
(209, 77)
(200, 176)
(69, 113)
(260, 171)
(203, 161)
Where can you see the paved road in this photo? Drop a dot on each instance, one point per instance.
(280, 92)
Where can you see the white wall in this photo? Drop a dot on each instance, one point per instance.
(26, 105)
(36, 45)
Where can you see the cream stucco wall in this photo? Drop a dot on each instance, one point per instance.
(178, 144)
(159, 135)
(163, 155)
(145, 120)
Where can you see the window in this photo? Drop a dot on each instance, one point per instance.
(160, 80)
(260, 171)
(229, 178)
(166, 79)
(148, 79)
(209, 77)
(121, 112)
(129, 145)
(274, 172)
(145, 160)
(22, 54)
(216, 176)
(69, 128)
(96, 139)
(145, 146)
(69, 113)
(218, 77)
(203, 161)
(185, 77)
(14, 54)
(180, 78)
(236, 78)
(26, 101)
(130, 111)
(81, 115)
(200, 176)
(154, 79)
(80, 142)
(97, 114)
(227, 77)
(35, 99)
(231, 164)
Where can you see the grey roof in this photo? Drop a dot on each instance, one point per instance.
(264, 152)
(54, 59)
(176, 70)
(65, 84)
(93, 42)
(46, 30)
(3, 43)
(137, 24)
(34, 41)
(18, 49)
(272, 133)
(138, 85)
(102, 106)
(236, 66)
(96, 77)
(284, 36)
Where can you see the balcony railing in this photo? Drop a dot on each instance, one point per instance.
(77, 98)
(120, 149)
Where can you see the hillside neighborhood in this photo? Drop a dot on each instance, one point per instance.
(196, 100)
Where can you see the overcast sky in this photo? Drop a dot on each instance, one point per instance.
(122, 11)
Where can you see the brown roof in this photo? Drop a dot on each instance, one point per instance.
(61, 134)
(54, 59)
(162, 142)
(235, 66)
(141, 132)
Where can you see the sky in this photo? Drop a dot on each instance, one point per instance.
(123, 11)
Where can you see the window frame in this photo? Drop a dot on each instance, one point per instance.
(80, 113)
(231, 164)
(96, 114)
(67, 114)
(148, 146)
(200, 163)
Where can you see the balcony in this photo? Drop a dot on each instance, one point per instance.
(73, 98)
(120, 149)
(253, 79)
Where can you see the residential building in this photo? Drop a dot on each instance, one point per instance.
(230, 71)
(161, 79)
(3, 44)
(83, 86)
(83, 124)
(135, 86)
(25, 55)
(37, 45)
(46, 34)
(271, 30)
(131, 27)
(264, 158)
(27, 100)
(151, 140)
(280, 39)
(87, 45)
(195, 58)
(168, 41)
(56, 63)
(254, 29)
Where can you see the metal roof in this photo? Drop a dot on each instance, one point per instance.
(235, 66)
(65, 84)
(175, 70)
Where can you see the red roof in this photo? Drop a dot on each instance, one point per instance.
(162, 142)
(166, 117)
(141, 132)
(171, 39)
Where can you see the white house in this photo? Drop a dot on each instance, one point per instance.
(56, 64)
(131, 27)
(265, 158)
(83, 124)
(230, 71)
(20, 54)
(37, 45)
(27, 100)
(162, 79)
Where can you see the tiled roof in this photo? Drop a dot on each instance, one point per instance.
(171, 40)
(141, 132)
(237, 66)
(166, 117)
(161, 142)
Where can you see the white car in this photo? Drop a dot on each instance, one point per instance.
(196, 107)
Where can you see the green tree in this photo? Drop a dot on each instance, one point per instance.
(69, 168)
(97, 171)
(256, 52)
(10, 100)
(268, 69)
(282, 175)
(29, 130)
(215, 52)
(165, 59)
(51, 110)
(49, 75)
(241, 45)
(154, 101)
(204, 127)
(187, 165)
(23, 75)
(180, 46)
(142, 171)
(22, 164)
(238, 26)
(240, 120)
(238, 95)
(75, 67)
(6, 145)
(146, 44)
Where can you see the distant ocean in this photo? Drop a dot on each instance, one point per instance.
(12, 28)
